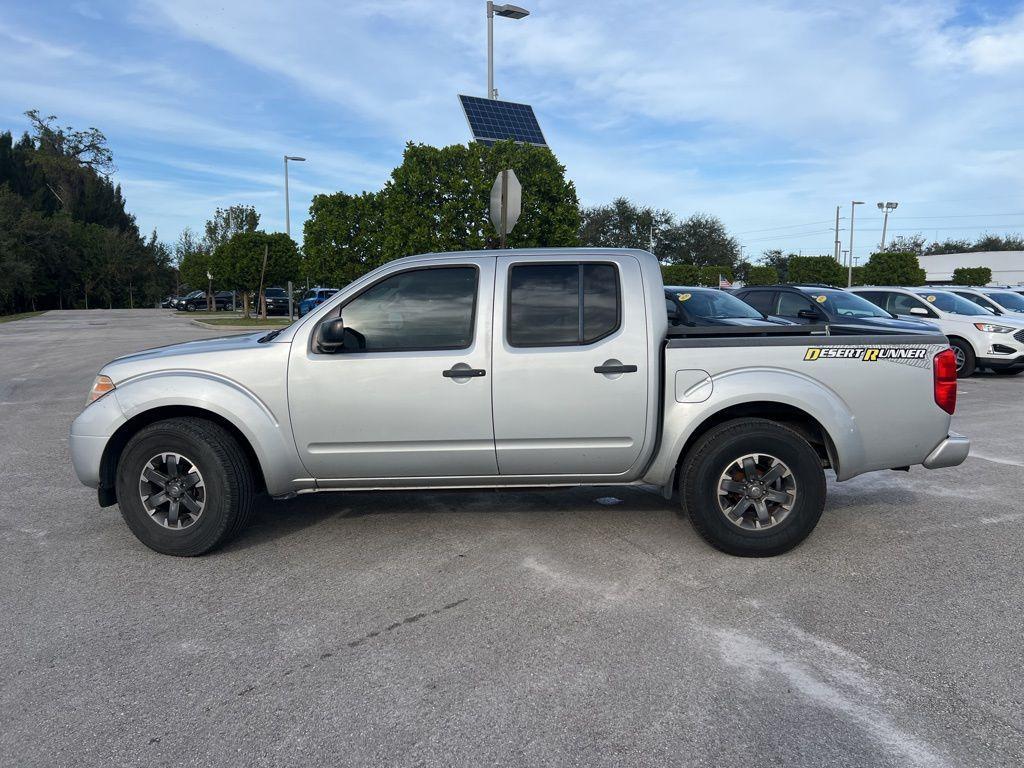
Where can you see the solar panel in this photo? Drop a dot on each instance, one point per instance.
(491, 120)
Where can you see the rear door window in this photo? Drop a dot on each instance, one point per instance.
(762, 301)
(562, 304)
(790, 304)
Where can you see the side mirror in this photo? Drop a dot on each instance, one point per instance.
(330, 335)
(808, 314)
(919, 311)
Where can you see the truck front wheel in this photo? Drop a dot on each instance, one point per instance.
(184, 486)
(753, 487)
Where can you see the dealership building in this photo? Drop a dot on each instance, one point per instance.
(1007, 266)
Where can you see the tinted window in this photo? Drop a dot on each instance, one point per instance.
(557, 304)
(600, 301)
(901, 304)
(275, 293)
(981, 301)
(713, 304)
(950, 302)
(791, 303)
(762, 301)
(419, 309)
(1010, 300)
(845, 303)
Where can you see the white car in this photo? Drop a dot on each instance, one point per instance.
(1001, 301)
(977, 336)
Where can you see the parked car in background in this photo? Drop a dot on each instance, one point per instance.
(167, 302)
(181, 302)
(277, 301)
(978, 338)
(313, 298)
(197, 301)
(816, 304)
(689, 305)
(1001, 301)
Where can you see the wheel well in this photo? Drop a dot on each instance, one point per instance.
(799, 421)
(117, 442)
(952, 336)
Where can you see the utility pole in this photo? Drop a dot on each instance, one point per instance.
(849, 267)
(837, 244)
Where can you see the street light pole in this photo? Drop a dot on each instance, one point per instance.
(885, 208)
(509, 12)
(287, 208)
(836, 244)
(849, 267)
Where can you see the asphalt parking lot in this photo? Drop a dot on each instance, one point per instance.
(495, 628)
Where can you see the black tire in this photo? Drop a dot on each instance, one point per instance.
(229, 485)
(1009, 371)
(969, 364)
(714, 453)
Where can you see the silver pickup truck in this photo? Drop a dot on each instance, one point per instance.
(512, 368)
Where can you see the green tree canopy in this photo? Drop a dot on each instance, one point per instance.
(701, 239)
(892, 269)
(680, 274)
(437, 200)
(711, 275)
(238, 263)
(762, 275)
(816, 269)
(623, 224)
(972, 276)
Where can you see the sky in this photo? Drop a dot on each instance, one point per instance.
(767, 115)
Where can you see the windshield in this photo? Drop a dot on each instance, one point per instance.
(195, 294)
(309, 295)
(846, 304)
(274, 293)
(1010, 300)
(950, 302)
(699, 302)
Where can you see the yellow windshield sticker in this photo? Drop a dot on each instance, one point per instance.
(930, 298)
(821, 299)
(683, 296)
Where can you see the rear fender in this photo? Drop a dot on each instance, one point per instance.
(762, 386)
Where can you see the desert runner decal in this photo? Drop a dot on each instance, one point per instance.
(917, 356)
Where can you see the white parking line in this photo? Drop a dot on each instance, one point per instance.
(995, 460)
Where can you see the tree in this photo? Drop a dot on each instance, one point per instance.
(816, 269)
(712, 275)
(238, 263)
(972, 276)
(893, 269)
(762, 275)
(702, 240)
(680, 274)
(776, 260)
(437, 200)
(950, 246)
(342, 237)
(227, 222)
(906, 244)
(622, 224)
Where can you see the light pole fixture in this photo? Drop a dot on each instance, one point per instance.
(509, 12)
(885, 208)
(849, 265)
(287, 209)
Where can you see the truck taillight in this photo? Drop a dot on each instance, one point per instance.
(944, 372)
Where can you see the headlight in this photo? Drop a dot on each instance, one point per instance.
(993, 328)
(101, 386)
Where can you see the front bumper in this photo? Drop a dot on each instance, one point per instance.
(90, 433)
(999, 363)
(949, 453)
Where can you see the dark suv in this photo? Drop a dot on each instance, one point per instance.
(825, 304)
(277, 301)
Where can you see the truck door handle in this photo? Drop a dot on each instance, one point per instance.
(615, 369)
(463, 373)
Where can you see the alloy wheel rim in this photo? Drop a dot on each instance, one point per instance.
(172, 491)
(960, 357)
(756, 491)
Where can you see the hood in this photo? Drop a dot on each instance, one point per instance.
(205, 354)
(887, 323)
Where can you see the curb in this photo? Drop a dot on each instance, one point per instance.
(252, 328)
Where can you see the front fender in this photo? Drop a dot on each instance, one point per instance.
(762, 385)
(268, 433)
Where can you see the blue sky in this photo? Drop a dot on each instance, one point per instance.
(765, 114)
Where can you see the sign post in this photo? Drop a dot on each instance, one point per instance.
(506, 204)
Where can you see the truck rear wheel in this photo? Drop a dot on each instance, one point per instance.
(753, 487)
(184, 486)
